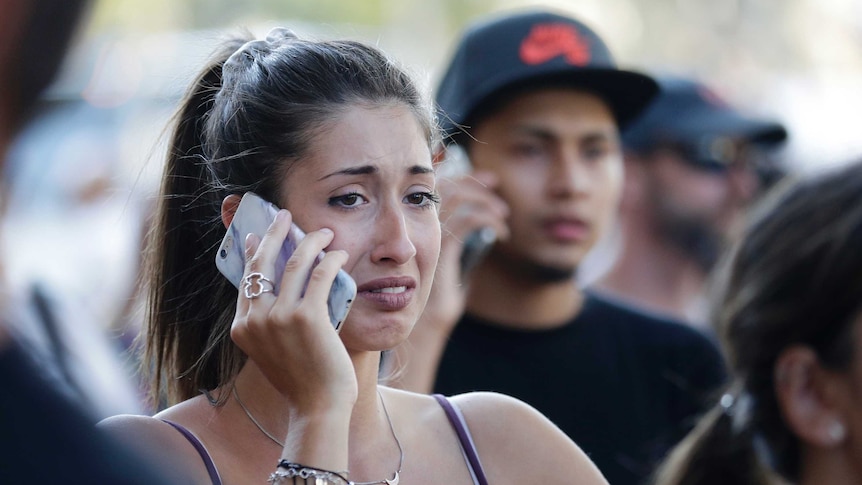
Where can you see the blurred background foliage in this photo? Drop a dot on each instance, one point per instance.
(800, 60)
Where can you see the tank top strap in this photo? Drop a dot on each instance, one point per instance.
(201, 449)
(468, 447)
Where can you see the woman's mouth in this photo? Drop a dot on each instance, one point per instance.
(389, 294)
(394, 289)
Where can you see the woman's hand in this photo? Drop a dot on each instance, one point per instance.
(289, 336)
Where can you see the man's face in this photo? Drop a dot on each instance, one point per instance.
(697, 206)
(557, 156)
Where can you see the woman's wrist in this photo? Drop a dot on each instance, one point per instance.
(318, 439)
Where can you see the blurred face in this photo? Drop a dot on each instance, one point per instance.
(696, 207)
(369, 178)
(557, 156)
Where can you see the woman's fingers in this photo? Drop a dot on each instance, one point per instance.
(258, 301)
(264, 258)
(323, 275)
(300, 263)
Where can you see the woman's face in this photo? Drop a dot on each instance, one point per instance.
(368, 176)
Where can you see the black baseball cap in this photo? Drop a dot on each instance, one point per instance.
(688, 112)
(535, 49)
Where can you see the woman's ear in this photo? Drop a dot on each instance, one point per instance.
(228, 208)
(809, 397)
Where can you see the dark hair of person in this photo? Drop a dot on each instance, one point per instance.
(49, 26)
(254, 111)
(795, 278)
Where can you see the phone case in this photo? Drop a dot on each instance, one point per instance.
(254, 216)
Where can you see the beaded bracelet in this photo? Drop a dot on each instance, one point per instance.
(287, 469)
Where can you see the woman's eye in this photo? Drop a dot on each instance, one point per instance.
(348, 200)
(423, 198)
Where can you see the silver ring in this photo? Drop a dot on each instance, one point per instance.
(253, 285)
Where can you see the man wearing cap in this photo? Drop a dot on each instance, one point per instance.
(534, 100)
(693, 163)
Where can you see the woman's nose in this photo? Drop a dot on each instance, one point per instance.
(392, 237)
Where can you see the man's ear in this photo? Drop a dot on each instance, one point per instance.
(809, 397)
(228, 208)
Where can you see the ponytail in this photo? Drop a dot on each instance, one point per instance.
(723, 448)
(185, 351)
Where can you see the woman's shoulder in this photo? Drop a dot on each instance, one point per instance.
(503, 427)
(150, 426)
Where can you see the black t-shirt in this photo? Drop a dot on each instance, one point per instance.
(46, 439)
(624, 385)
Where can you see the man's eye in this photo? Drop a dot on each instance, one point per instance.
(527, 150)
(595, 153)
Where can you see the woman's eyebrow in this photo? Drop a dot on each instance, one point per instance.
(370, 169)
(420, 170)
(362, 170)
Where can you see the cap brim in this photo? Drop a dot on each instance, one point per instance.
(627, 93)
(729, 123)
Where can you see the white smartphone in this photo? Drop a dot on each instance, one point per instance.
(254, 216)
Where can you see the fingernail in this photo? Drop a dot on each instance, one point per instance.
(327, 230)
(248, 243)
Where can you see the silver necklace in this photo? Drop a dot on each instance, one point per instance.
(395, 479)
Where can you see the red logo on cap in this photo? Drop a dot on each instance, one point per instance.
(547, 41)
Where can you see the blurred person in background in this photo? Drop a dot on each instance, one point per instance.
(693, 165)
(45, 437)
(534, 100)
(790, 319)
